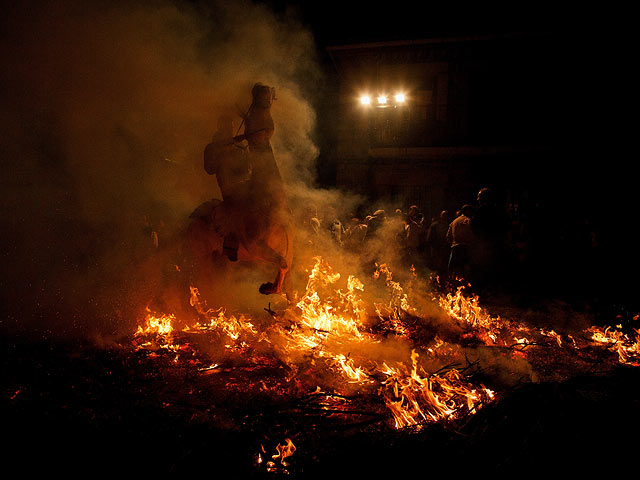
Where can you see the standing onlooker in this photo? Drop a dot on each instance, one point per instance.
(414, 231)
(438, 248)
(334, 225)
(461, 238)
(355, 233)
(489, 227)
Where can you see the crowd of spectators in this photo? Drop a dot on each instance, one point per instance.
(487, 244)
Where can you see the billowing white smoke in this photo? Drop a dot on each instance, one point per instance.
(107, 107)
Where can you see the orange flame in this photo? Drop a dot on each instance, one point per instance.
(156, 325)
(283, 451)
(415, 400)
(627, 347)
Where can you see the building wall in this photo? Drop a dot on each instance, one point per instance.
(477, 110)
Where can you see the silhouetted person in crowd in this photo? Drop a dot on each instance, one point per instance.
(516, 242)
(355, 233)
(438, 249)
(414, 228)
(461, 238)
(310, 225)
(374, 223)
(398, 225)
(334, 225)
(489, 228)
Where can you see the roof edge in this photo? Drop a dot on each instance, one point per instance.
(427, 41)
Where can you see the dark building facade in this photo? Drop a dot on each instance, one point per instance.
(476, 111)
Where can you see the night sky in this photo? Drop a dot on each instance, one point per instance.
(335, 22)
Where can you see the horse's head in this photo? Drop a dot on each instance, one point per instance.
(263, 95)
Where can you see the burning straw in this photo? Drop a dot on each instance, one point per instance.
(350, 345)
(345, 352)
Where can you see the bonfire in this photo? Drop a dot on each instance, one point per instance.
(337, 354)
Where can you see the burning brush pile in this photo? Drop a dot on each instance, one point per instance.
(332, 347)
(410, 360)
(356, 375)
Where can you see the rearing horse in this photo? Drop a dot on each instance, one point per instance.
(252, 223)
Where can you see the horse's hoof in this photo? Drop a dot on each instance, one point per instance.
(267, 288)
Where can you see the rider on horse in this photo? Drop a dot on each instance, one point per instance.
(254, 219)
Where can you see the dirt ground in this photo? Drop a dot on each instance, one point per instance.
(77, 409)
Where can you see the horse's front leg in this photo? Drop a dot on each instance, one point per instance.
(270, 288)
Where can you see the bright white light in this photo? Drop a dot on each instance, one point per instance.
(365, 100)
(400, 98)
(382, 99)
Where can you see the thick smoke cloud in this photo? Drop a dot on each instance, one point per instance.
(106, 109)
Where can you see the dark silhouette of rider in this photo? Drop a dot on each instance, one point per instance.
(225, 159)
(267, 187)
